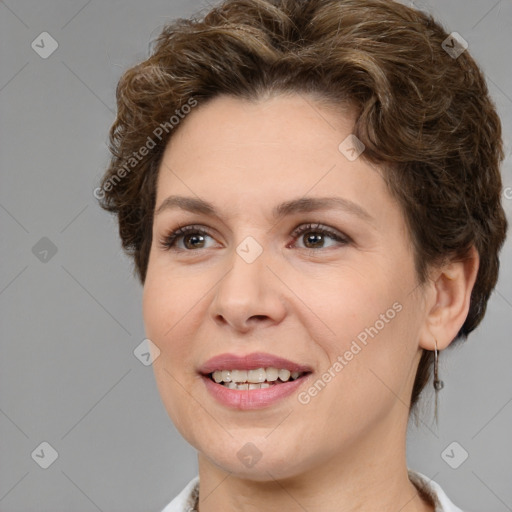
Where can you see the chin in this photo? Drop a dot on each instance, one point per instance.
(264, 470)
(253, 457)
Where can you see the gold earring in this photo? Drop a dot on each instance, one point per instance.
(438, 384)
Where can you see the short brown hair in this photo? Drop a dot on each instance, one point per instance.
(424, 115)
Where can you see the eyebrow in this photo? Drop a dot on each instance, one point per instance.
(300, 205)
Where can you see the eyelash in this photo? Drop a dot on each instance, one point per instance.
(168, 242)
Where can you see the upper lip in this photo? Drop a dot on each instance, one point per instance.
(250, 362)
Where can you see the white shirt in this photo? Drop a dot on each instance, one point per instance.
(184, 502)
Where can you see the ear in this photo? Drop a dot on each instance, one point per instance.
(448, 300)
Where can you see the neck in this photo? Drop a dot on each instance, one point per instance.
(372, 476)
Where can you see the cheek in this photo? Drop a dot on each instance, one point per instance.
(346, 299)
(372, 326)
(165, 313)
(173, 311)
(167, 301)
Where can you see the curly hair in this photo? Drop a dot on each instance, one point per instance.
(424, 115)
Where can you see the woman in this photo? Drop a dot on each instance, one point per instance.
(311, 195)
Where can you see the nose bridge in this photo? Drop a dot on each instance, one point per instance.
(248, 289)
(242, 285)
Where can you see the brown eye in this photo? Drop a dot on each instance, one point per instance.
(187, 238)
(313, 241)
(315, 236)
(194, 241)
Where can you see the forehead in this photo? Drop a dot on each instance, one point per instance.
(293, 121)
(237, 154)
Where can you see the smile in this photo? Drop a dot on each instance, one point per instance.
(252, 381)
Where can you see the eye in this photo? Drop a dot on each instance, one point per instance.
(192, 237)
(314, 236)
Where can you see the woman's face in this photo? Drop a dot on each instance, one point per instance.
(302, 255)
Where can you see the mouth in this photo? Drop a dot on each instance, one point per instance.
(259, 378)
(253, 381)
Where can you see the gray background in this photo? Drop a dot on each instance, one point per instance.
(70, 321)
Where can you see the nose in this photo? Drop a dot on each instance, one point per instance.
(249, 295)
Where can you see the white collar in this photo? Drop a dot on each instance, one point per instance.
(434, 491)
(185, 499)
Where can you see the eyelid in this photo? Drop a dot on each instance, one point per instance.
(321, 228)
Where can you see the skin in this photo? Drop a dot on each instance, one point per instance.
(345, 449)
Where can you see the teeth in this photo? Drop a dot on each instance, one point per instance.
(256, 376)
(272, 374)
(239, 375)
(260, 377)
(284, 375)
(245, 385)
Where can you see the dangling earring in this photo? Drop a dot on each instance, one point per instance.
(438, 384)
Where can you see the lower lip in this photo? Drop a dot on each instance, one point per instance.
(246, 399)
